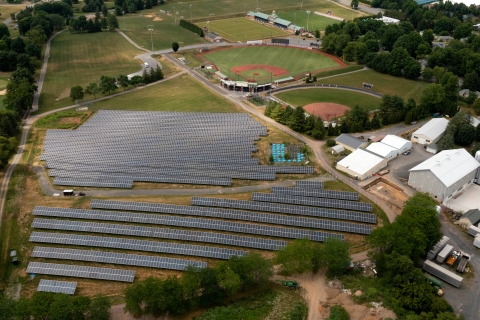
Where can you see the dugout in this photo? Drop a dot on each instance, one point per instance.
(262, 17)
(281, 23)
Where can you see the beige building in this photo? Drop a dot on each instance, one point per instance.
(361, 164)
(430, 132)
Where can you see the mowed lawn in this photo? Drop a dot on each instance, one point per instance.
(302, 97)
(242, 29)
(6, 10)
(300, 17)
(382, 83)
(179, 94)
(295, 61)
(79, 59)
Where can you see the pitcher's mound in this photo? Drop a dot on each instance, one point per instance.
(326, 110)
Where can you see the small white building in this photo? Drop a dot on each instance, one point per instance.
(388, 20)
(350, 142)
(361, 164)
(430, 132)
(396, 142)
(383, 150)
(337, 149)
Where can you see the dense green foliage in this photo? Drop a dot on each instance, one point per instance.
(198, 287)
(459, 131)
(192, 27)
(56, 306)
(338, 313)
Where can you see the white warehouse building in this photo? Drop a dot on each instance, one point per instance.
(361, 164)
(398, 143)
(383, 150)
(430, 132)
(444, 174)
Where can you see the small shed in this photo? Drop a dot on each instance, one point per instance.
(432, 148)
(469, 218)
(337, 149)
(350, 142)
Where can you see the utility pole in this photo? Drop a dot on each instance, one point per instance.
(190, 13)
(175, 15)
(150, 28)
(124, 28)
(308, 16)
(235, 31)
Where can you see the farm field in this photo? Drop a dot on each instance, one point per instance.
(79, 59)
(242, 29)
(350, 99)
(181, 94)
(284, 62)
(382, 83)
(300, 17)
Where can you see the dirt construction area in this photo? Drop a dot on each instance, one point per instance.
(393, 196)
(326, 110)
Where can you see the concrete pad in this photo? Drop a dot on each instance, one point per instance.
(468, 199)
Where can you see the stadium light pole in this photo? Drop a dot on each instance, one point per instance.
(175, 16)
(294, 18)
(124, 28)
(257, 5)
(301, 5)
(190, 13)
(244, 6)
(308, 16)
(150, 28)
(234, 31)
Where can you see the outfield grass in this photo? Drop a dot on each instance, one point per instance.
(242, 29)
(4, 80)
(383, 83)
(295, 61)
(79, 59)
(179, 94)
(350, 99)
(315, 22)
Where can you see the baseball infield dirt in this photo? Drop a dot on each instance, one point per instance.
(326, 110)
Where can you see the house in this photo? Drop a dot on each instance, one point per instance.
(337, 149)
(444, 174)
(469, 218)
(443, 38)
(396, 142)
(383, 150)
(361, 164)
(350, 142)
(388, 20)
(430, 132)
(213, 37)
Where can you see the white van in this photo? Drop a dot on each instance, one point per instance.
(146, 65)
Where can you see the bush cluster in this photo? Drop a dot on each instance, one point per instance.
(192, 27)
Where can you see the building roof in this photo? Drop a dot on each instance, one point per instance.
(381, 149)
(388, 20)
(449, 166)
(474, 121)
(338, 148)
(349, 140)
(212, 35)
(282, 22)
(296, 28)
(433, 128)
(221, 75)
(261, 15)
(394, 141)
(473, 215)
(360, 161)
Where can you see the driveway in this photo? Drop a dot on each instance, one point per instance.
(468, 199)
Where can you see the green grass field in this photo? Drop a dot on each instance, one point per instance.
(6, 10)
(242, 29)
(179, 94)
(295, 61)
(300, 17)
(4, 80)
(382, 83)
(79, 59)
(350, 99)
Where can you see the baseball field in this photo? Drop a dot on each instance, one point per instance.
(266, 63)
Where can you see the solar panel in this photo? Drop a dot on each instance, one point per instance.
(308, 201)
(163, 233)
(309, 184)
(137, 245)
(57, 286)
(245, 216)
(318, 193)
(68, 270)
(115, 258)
(68, 181)
(238, 227)
(253, 205)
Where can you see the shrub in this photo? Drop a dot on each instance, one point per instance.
(331, 143)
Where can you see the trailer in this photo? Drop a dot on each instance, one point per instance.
(442, 255)
(433, 281)
(473, 231)
(463, 263)
(68, 193)
(476, 241)
(442, 273)
(437, 247)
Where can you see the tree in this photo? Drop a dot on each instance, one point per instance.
(136, 80)
(318, 131)
(317, 34)
(465, 134)
(123, 81)
(4, 32)
(19, 96)
(375, 122)
(61, 307)
(148, 4)
(252, 269)
(354, 4)
(296, 121)
(227, 279)
(300, 256)
(18, 45)
(93, 89)
(76, 93)
(412, 69)
(112, 22)
(428, 36)
(107, 84)
(104, 11)
(298, 312)
(462, 31)
(134, 295)
(39, 304)
(427, 74)
(100, 308)
(57, 20)
(433, 98)
(335, 256)
(472, 81)
(175, 46)
(338, 313)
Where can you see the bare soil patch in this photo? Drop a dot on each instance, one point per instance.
(3, 92)
(277, 71)
(157, 19)
(326, 110)
(64, 94)
(70, 120)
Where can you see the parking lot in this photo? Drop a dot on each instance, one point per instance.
(399, 167)
(466, 199)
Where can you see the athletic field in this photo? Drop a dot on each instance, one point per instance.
(302, 19)
(242, 30)
(265, 63)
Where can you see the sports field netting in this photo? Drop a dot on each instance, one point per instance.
(244, 63)
(242, 29)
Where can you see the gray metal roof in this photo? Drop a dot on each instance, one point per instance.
(473, 215)
(349, 140)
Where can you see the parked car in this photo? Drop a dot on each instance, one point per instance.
(406, 153)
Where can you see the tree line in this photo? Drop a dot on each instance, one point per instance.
(460, 131)
(132, 6)
(98, 24)
(192, 27)
(55, 306)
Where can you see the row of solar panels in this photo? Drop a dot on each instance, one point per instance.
(238, 227)
(57, 286)
(318, 193)
(205, 204)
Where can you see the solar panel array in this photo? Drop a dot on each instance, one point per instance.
(163, 233)
(309, 201)
(137, 245)
(115, 148)
(309, 184)
(57, 286)
(259, 206)
(319, 193)
(68, 270)
(115, 258)
(251, 216)
(237, 227)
